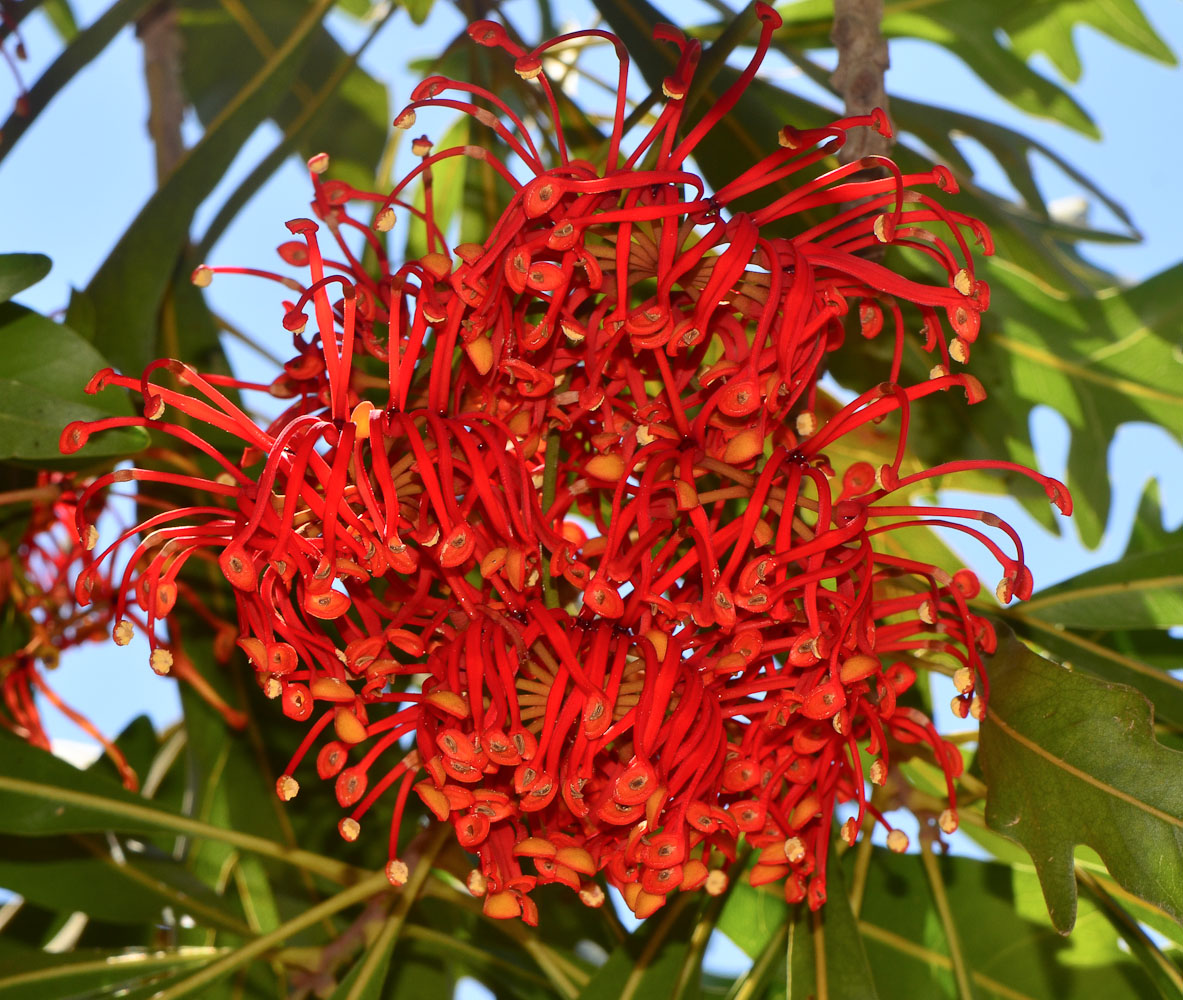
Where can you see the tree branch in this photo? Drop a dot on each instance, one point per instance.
(161, 39)
(862, 64)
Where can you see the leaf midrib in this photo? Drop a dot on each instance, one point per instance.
(996, 720)
(1103, 590)
(330, 868)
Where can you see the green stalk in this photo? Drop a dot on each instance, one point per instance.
(240, 956)
(330, 868)
(652, 947)
(373, 963)
(937, 882)
(749, 985)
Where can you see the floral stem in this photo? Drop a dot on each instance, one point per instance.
(937, 883)
(371, 886)
(330, 868)
(32, 494)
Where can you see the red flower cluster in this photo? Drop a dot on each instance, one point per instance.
(581, 540)
(42, 618)
(56, 595)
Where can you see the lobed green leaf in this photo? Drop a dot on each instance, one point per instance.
(1070, 759)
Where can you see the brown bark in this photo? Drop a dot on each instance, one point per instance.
(161, 41)
(862, 64)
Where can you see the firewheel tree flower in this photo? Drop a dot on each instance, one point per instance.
(552, 533)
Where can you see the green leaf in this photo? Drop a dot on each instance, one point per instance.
(42, 795)
(1139, 591)
(1009, 944)
(85, 973)
(753, 916)
(419, 10)
(139, 745)
(448, 182)
(225, 44)
(1132, 650)
(19, 271)
(1164, 973)
(73, 873)
(647, 963)
(369, 887)
(1115, 361)
(414, 974)
(1050, 28)
(969, 32)
(1100, 360)
(826, 954)
(44, 368)
(1069, 760)
(368, 976)
(61, 16)
(936, 127)
(1025, 235)
(314, 110)
(130, 287)
(1016, 29)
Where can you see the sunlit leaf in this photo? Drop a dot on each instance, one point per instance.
(1069, 759)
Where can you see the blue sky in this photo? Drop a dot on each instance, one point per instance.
(83, 170)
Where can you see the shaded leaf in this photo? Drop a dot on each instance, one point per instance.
(450, 926)
(41, 795)
(1069, 759)
(86, 973)
(130, 286)
(313, 111)
(139, 745)
(44, 368)
(66, 874)
(1009, 944)
(19, 271)
(1132, 647)
(647, 963)
(1157, 966)
(226, 44)
(826, 954)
